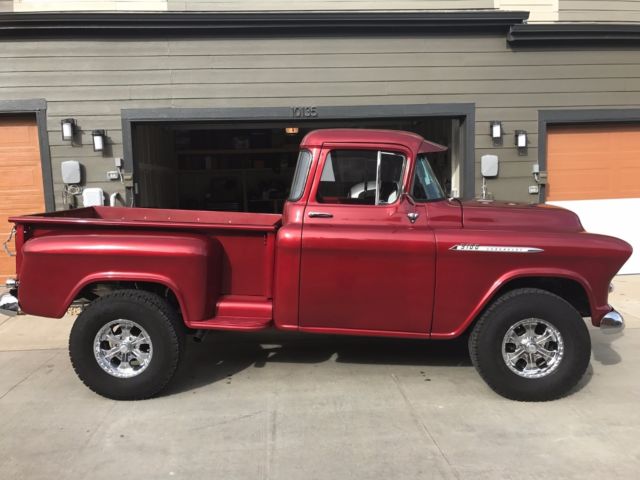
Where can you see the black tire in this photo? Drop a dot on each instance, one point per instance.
(163, 326)
(486, 344)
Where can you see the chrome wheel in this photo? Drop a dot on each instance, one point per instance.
(532, 348)
(123, 348)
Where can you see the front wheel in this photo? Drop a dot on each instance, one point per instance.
(126, 345)
(530, 345)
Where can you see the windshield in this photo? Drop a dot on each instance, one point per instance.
(425, 186)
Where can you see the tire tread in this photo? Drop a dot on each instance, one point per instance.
(166, 313)
(474, 349)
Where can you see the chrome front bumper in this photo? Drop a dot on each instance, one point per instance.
(612, 322)
(9, 301)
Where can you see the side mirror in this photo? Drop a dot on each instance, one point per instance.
(489, 165)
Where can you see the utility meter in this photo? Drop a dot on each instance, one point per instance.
(71, 172)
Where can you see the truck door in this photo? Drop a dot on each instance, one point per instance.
(365, 266)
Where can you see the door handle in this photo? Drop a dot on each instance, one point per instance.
(320, 215)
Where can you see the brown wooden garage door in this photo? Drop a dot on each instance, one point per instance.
(593, 162)
(21, 188)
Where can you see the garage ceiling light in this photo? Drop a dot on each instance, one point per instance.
(68, 127)
(291, 130)
(98, 140)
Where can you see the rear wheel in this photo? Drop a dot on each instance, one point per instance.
(530, 345)
(127, 345)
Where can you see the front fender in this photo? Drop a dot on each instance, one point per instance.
(490, 293)
(467, 279)
(54, 269)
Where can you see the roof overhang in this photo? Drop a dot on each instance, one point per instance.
(572, 34)
(276, 24)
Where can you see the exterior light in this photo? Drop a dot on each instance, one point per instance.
(291, 130)
(496, 130)
(98, 140)
(521, 140)
(68, 127)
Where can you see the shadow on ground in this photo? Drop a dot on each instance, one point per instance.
(222, 355)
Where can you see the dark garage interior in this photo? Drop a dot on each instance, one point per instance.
(249, 166)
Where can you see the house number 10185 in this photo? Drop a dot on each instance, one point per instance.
(304, 112)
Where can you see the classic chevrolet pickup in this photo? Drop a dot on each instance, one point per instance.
(367, 245)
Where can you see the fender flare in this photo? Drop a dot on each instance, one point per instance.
(507, 277)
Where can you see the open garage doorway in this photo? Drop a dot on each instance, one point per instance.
(185, 159)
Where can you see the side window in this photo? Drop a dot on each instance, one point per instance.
(300, 176)
(361, 177)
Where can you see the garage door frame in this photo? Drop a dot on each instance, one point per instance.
(464, 111)
(572, 117)
(38, 107)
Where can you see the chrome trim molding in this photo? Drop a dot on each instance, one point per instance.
(474, 247)
(612, 322)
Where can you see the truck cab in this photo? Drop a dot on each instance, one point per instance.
(363, 238)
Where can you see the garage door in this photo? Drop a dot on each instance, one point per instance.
(21, 189)
(595, 171)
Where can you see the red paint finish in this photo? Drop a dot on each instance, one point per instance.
(55, 268)
(360, 270)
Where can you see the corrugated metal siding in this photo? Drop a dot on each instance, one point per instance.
(599, 11)
(93, 81)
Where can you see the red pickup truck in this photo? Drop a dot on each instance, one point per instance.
(367, 245)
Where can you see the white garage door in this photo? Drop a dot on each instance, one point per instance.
(595, 172)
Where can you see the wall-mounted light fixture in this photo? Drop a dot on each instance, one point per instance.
(68, 127)
(521, 140)
(495, 130)
(291, 130)
(98, 140)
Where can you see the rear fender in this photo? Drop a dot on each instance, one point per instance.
(56, 268)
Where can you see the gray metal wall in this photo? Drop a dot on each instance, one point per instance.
(92, 81)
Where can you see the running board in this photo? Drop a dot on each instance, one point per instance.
(239, 312)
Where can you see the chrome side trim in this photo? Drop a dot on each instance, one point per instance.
(612, 322)
(474, 247)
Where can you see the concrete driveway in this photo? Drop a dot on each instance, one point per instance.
(274, 406)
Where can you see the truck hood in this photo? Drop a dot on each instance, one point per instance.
(518, 216)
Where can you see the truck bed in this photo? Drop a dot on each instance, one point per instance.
(156, 217)
(223, 260)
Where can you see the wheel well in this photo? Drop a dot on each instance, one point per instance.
(98, 289)
(568, 289)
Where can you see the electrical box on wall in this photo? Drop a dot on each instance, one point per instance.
(93, 197)
(489, 165)
(71, 172)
